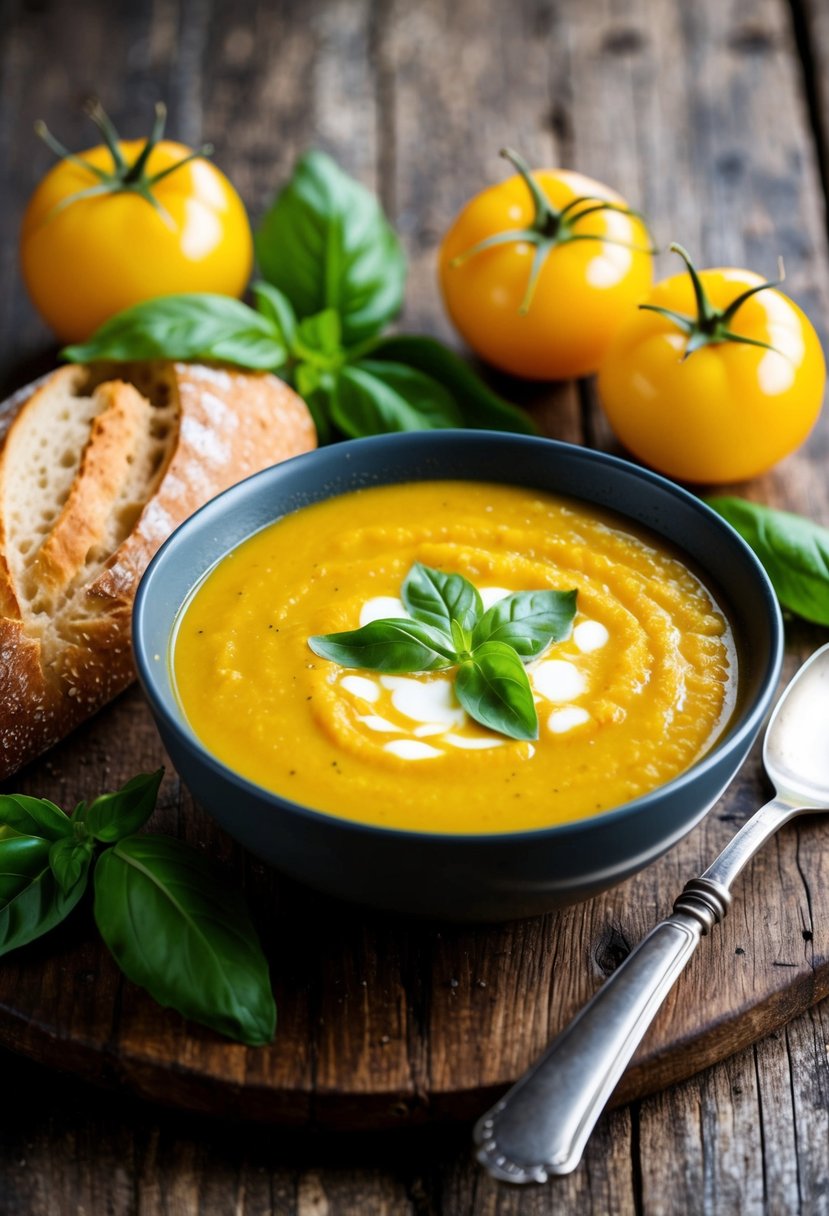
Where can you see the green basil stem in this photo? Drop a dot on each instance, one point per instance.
(123, 177)
(549, 227)
(712, 325)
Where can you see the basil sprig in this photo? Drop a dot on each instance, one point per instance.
(171, 923)
(794, 551)
(333, 278)
(449, 628)
(325, 243)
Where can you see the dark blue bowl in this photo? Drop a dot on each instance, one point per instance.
(460, 877)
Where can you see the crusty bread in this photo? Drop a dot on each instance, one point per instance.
(98, 467)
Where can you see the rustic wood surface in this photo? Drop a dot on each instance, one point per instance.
(712, 118)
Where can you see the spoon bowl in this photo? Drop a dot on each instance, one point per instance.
(796, 747)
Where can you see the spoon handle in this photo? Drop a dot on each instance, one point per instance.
(542, 1124)
(540, 1127)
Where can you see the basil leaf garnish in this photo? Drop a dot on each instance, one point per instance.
(493, 687)
(450, 629)
(325, 243)
(33, 816)
(176, 929)
(528, 621)
(31, 899)
(393, 646)
(477, 404)
(69, 862)
(372, 398)
(195, 325)
(112, 816)
(794, 551)
(438, 598)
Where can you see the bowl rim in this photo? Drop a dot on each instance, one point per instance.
(746, 724)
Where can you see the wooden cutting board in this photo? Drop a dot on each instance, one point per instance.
(385, 1021)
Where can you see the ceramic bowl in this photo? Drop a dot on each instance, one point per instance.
(462, 877)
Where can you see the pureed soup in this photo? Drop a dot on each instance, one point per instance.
(641, 688)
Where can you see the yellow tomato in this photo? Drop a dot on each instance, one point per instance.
(716, 378)
(539, 272)
(97, 238)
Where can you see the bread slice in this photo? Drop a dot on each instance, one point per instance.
(98, 467)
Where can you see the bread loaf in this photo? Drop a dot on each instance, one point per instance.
(98, 467)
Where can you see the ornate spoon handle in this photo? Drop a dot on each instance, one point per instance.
(540, 1127)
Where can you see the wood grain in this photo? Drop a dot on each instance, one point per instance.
(699, 114)
(747, 1136)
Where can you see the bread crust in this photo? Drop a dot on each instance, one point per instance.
(55, 674)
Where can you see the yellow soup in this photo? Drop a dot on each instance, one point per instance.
(642, 687)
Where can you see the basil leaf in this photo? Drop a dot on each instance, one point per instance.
(477, 404)
(31, 901)
(69, 862)
(176, 929)
(793, 550)
(494, 689)
(277, 308)
(528, 621)
(373, 398)
(33, 816)
(392, 646)
(112, 816)
(325, 243)
(196, 325)
(438, 598)
(318, 339)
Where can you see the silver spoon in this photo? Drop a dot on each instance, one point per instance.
(540, 1127)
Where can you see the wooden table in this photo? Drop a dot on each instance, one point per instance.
(712, 117)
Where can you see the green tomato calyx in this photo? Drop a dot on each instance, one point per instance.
(713, 325)
(550, 226)
(123, 176)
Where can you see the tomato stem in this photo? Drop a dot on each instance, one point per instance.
(123, 176)
(706, 315)
(497, 238)
(712, 325)
(547, 219)
(729, 312)
(539, 258)
(205, 150)
(54, 145)
(549, 227)
(102, 121)
(135, 172)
